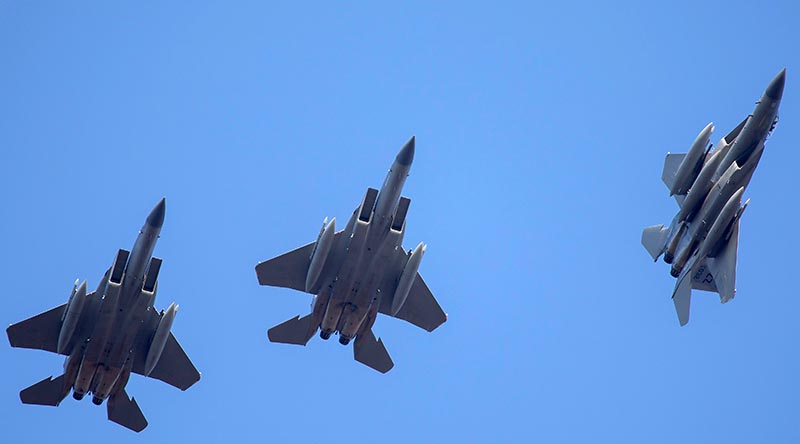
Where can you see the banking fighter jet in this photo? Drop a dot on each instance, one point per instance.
(109, 333)
(357, 273)
(702, 241)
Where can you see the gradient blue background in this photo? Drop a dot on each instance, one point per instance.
(541, 131)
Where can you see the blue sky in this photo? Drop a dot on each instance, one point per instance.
(541, 131)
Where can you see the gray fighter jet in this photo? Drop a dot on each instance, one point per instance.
(357, 273)
(702, 241)
(109, 333)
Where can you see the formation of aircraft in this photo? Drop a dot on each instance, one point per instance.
(356, 273)
(702, 241)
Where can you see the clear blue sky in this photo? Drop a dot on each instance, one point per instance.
(541, 131)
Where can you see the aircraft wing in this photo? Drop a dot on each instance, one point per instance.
(289, 270)
(702, 278)
(723, 267)
(718, 274)
(420, 308)
(671, 164)
(39, 332)
(174, 367)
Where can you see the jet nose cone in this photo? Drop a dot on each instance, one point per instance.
(406, 154)
(775, 89)
(156, 216)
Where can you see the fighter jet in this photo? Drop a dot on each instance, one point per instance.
(702, 241)
(109, 333)
(357, 273)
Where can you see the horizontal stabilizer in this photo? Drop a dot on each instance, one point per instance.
(371, 352)
(671, 164)
(682, 299)
(654, 238)
(294, 331)
(126, 412)
(48, 391)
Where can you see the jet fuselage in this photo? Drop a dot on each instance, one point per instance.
(115, 316)
(702, 205)
(351, 292)
(702, 240)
